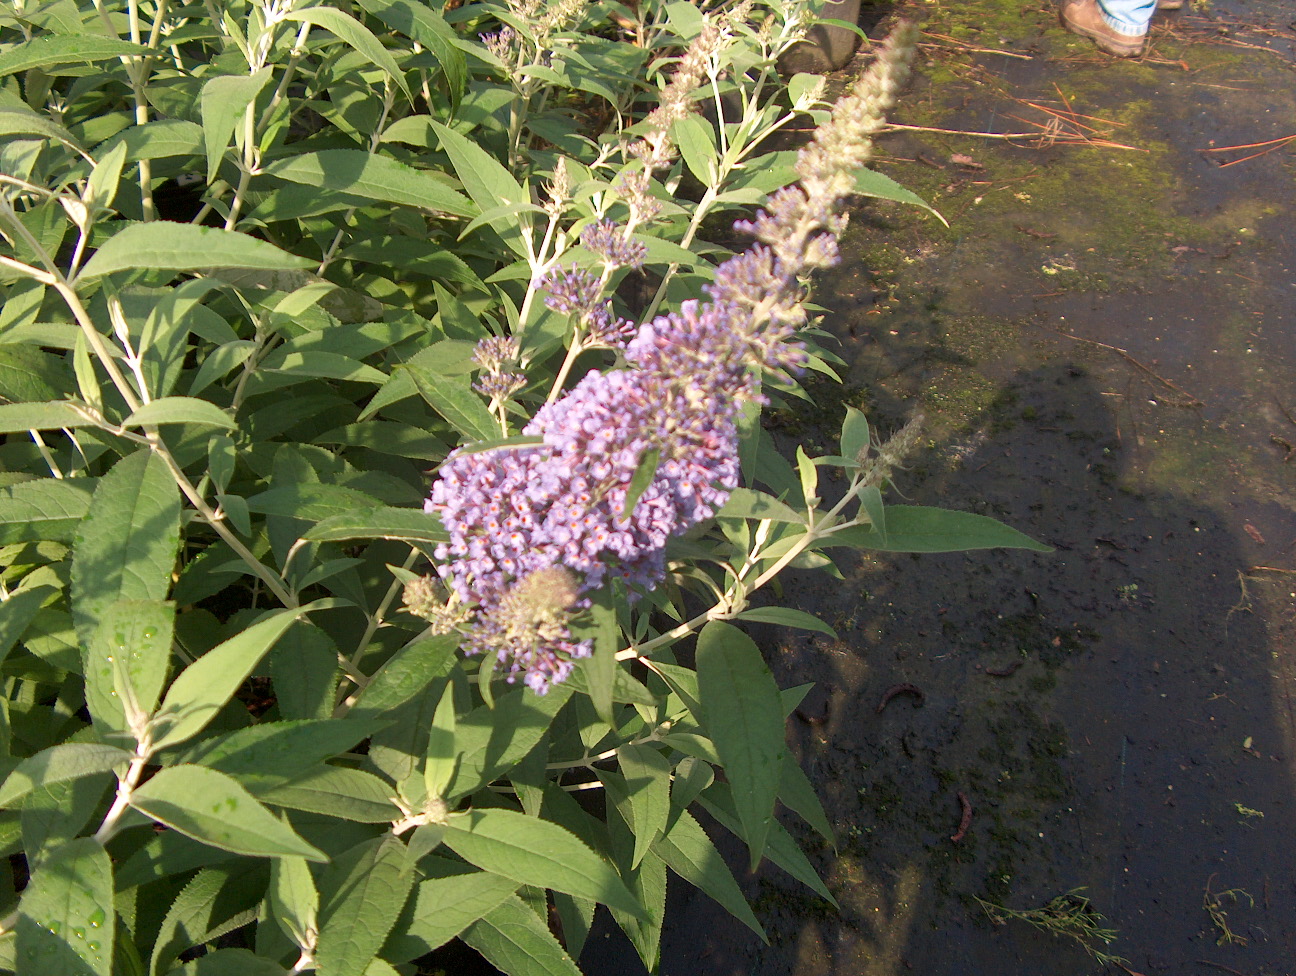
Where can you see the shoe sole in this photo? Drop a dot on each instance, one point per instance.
(1104, 42)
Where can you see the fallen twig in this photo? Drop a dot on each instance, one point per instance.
(1124, 354)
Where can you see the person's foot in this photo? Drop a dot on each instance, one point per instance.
(1084, 17)
(1169, 4)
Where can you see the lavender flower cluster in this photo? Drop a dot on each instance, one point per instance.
(518, 515)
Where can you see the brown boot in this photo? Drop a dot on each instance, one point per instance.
(1084, 17)
(1170, 4)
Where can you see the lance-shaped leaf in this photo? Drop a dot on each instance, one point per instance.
(17, 612)
(688, 851)
(47, 415)
(362, 892)
(213, 898)
(203, 688)
(126, 662)
(404, 524)
(66, 922)
(354, 33)
(918, 528)
(213, 808)
(180, 410)
(453, 399)
(47, 508)
(51, 52)
(423, 24)
(70, 760)
(600, 669)
(647, 782)
(406, 674)
(444, 906)
(441, 757)
(515, 941)
(536, 852)
(782, 849)
(292, 900)
(358, 173)
(127, 545)
(335, 791)
(743, 714)
(491, 741)
(224, 100)
(488, 183)
(170, 246)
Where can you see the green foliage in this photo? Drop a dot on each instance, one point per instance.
(246, 253)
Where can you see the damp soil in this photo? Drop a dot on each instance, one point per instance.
(1102, 342)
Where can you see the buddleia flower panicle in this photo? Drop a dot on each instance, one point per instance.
(498, 381)
(609, 242)
(514, 516)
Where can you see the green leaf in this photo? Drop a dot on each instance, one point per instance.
(229, 962)
(354, 33)
(374, 177)
(692, 776)
(170, 246)
(798, 795)
(292, 900)
(303, 670)
(441, 758)
(126, 662)
(213, 808)
(688, 851)
(57, 764)
(47, 508)
(17, 612)
(855, 436)
(272, 752)
(202, 689)
(648, 883)
(159, 139)
(180, 410)
(213, 898)
(743, 714)
(786, 617)
(362, 892)
(28, 373)
(408, 673)
(647, 779)
(335, 791)
(749, 503)
(514, 940)
(16, 418)
(782, 849)
(126, 549)
(311, 502)
(445, 906)
(425, 25)
(644, 473)
(696, 141)
(454, 399)
(66, 921)
(535, 852)
(917, 528)
(492, 741)
(403, 524)
(600, 668)
(870, 183)
(50, 52)
(488, 183)
(224, 101)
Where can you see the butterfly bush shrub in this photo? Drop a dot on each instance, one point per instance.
(383, 485)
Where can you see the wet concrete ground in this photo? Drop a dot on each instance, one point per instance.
(1103, 342)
